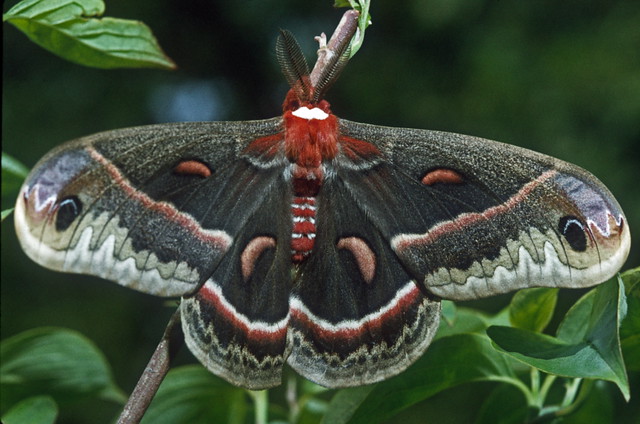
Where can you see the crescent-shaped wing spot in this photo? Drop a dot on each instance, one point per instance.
(192, 168)
(252, 252)
(443, 176)
(364, 256)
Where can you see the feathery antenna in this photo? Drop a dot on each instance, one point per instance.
(293, 64)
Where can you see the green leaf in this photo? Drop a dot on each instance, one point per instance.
(532, 309)
(505, 406)
(53, 361)
(191, 394)
(597, 406)
(448, 311)
(630, 329)
(13, 174)
(466, 320)
(630, 278)
(33, 410)
(448, 362)
(6, 213)
(364, 20)
(345, 402)
(587, 343)
(12, 166)
(71, 30)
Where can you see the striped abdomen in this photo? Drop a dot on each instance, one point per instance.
(303, 211)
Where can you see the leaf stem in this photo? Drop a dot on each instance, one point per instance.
(569, 402)
(261, 405)
(572, 390)
(535, 381)
(585, 387)
(363, 23)
(546, 386)
(519, 384)
(292, 399)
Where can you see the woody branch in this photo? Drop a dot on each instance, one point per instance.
(339, 40)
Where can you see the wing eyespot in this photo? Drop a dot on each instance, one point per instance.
(573, 231)
(69, 209)
(192, 167)
(442, 176)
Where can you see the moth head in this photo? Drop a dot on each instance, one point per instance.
(308, 87)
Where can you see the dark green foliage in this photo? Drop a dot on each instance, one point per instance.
(65, 366)
(557, 77)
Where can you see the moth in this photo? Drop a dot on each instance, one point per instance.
(312, 240)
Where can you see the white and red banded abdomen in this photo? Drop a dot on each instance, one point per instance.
(303, 210)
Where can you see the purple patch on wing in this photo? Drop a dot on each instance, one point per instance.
(593, 201)
(50, 178)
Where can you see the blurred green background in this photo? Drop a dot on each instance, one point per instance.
(562, 78)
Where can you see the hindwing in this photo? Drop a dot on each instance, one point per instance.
(357, 315)
(237, 323)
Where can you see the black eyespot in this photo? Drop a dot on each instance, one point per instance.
(68, 210)
(573, 230)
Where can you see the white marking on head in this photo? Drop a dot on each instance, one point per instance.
(306, 113)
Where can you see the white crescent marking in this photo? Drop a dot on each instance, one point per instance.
(296, 304)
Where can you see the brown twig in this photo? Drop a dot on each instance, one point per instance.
(339, 39)
(154, 373)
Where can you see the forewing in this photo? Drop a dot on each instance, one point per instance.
(472, 218)
(357, 316)
(118, 205)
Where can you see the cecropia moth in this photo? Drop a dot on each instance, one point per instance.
(313, 240)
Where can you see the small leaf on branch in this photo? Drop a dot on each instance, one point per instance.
(13, 174)
(364, 20)
(6, 213)
(12, 166)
